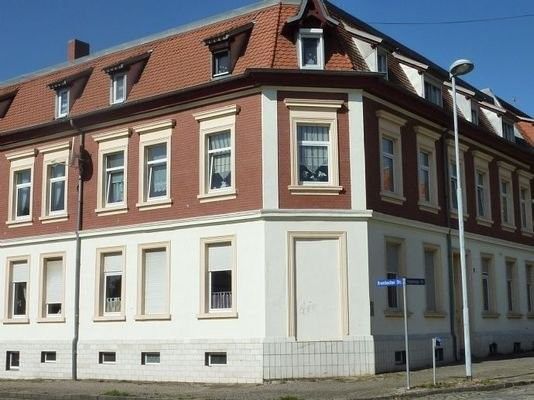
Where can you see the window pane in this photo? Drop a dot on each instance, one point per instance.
(155, 285)
(119, 87)
(313, 143)
(221, 289)
(64, 102)
(157, 180)
(115, 160)
(382, 63)
(222, 62)
(23, 201)
(113, 293)
(157, 152)
(392, 272)
(19, 298)
(220, 160)
(14, 359)
(430, 283)
(57, 196)
(23, 176)
(54, 285)
(116, 187)
(310, 48)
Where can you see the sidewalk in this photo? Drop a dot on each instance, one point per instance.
(487, 375)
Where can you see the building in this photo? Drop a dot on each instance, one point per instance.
(217, 202)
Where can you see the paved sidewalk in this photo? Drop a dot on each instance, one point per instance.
(487, 375)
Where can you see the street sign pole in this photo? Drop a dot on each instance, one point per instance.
(434, 360)
(406, 334)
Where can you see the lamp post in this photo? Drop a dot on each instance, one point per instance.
(461, 67)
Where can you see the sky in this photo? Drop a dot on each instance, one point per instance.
(34, 33)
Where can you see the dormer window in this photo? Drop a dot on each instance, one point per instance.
(311, 49)
(62, 102)
(382, 62)
(508, 131)
(118, 88)
(474, 115)
(221, 63)
(433, 93)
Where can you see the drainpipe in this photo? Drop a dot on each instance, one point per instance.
(449, 241)
(78, 254)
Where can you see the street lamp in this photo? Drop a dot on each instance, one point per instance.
(461, 67)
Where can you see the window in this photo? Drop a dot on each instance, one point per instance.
(525, 201)
(506, 196)
(221, 63)
(118, 88)
(150, 358)
(400, 357)
(107, 357)
(48, 357)
(393, 271)
(487, 284)
(431, 260)
(311, 48)
(391, 180)
(382, 62)
(54, 183)
(427, 176)
(112, 175)
(433, 93)
(217, 153)
(505, 201)
(508, 131)
(474, 115)
(511, 286)
(313, 142)
(110, 287)
(20, 187)
(154, 150)
(530, 287)
(424, 176)
(17, 291)
(215, 359)
(12, 360)
(56, 188)
(454, 175)
(218, 285)
(154, 281)
(23, 189)
(62, 102)
(52, 291)
(482, 188)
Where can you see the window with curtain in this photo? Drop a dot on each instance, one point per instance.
(220, 265)
(219, 160)
(313, 142)
(112, 282)
(388, 164)
(156, 171)
(118, 88)
(114, 175)
(481, 193)
(56, 188)
(155, 277)
(53, 290)
(424, 176)
(505, 202)
(19, 286)
(23, 187)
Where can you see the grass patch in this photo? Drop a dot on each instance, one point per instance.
(116, 393)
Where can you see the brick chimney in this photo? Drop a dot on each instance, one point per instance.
(76, 49)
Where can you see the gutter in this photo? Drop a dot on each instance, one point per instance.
(75, 337)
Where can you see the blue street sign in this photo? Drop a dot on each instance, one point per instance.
(415, 281)
(388, 282)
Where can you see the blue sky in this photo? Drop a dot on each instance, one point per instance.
(34, 33)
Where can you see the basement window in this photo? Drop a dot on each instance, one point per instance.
(212, 359)
(107, 357)
(12, 360)
(400, 357)
(150, 358)
(48, 356)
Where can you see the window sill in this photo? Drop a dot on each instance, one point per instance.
(156, 317)
(391, 197)
(109, 318)
(490, 315)
(54, 218)
(508, 227)
(154, 204)
(454, 214)
(395, 313)
(433, 208)
(514, 315)
(16, 321)
(530, 315)
(17, 224)
(218, 196)
(315, 190)
(435, 314)
(51, 320)
(218, 315)
(527, 233)
(111, 210)
(484, 221)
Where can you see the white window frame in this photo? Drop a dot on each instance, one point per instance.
(9, 361)
(205, 310)
(142, 249)
(43, 311)
(100, 285)
(65, 91)
(452, 193)
(108, 143)
(45, 357)
(381, 52)
(491, 311)
(436, 85)
(314, 112)
(313, 33)
(212, 122)
(113, 99)
(505, 176)
(481, 165)
(426, 142)
(102, 354)
(524, 179)
(54, 154)
(144, 357)
(20, 161)
(389, 127)
(9, 299)
(214, 72)
(159, 132)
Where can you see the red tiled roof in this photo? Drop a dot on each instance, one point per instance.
(527, 130)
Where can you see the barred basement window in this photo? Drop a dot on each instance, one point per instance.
(215, 359)
(12, 360)
(107, 357)
(400, 357)
(149, 358)
(48, 356)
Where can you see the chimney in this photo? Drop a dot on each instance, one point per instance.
(76, 49)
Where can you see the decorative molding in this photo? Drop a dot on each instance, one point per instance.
(112, 135)
(410, 61)
(217, 112)
(506, 166)
(15, 155)
(427, 132)
(154, 126)
(391, 117)
(481, 155)
(313, 103)
(54, 147)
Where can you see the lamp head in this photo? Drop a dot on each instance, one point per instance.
(461, 67)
